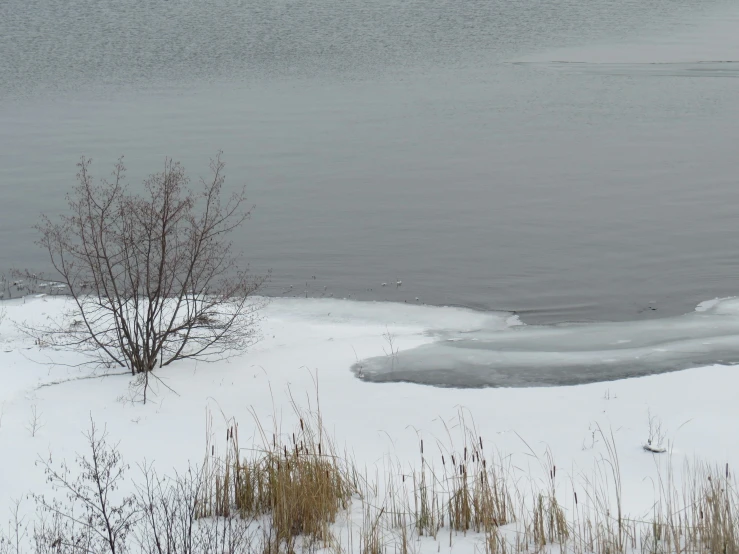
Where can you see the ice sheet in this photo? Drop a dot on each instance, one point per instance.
(566, 354)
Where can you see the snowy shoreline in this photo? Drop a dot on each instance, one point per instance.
(313, 343)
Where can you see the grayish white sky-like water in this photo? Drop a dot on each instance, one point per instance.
(568, 160)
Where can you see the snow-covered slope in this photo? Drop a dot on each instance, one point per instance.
(312, 344)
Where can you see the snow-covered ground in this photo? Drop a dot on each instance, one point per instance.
(305, 341)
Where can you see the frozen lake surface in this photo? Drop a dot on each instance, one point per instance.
(496, 351)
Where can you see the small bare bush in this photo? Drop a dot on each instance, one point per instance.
(35, 422)
(13, 542)
(89, 515)
(153, 276)
(92, 519)
(171, 523)
(656, 435)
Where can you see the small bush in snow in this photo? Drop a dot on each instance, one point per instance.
(153, 276)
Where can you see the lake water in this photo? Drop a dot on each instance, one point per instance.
(571, 160)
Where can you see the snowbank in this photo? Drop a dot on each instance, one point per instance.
(307, 340)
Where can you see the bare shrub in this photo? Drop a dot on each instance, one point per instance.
(92, 519)
(153, 276)
(171, 521)
(656, 435)
(13, 542)
(35, 422)
(160, 515)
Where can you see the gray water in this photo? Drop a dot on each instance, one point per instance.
(570, 160)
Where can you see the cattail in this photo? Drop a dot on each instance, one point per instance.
(302, 428)
(421, 447)
(575, 498)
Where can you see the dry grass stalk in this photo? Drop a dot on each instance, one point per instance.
(371, 538)
(428, 514)
(479, 498)
(298, 481)
(296, 485)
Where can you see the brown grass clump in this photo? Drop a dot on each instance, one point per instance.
(371, 538)
(298, 481)
(703, 518)
(550, 525)
(429, 517)
(294, 487)
(717, 516)
(479, 498)
(496, 543)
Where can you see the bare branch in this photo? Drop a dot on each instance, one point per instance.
(152, 277)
